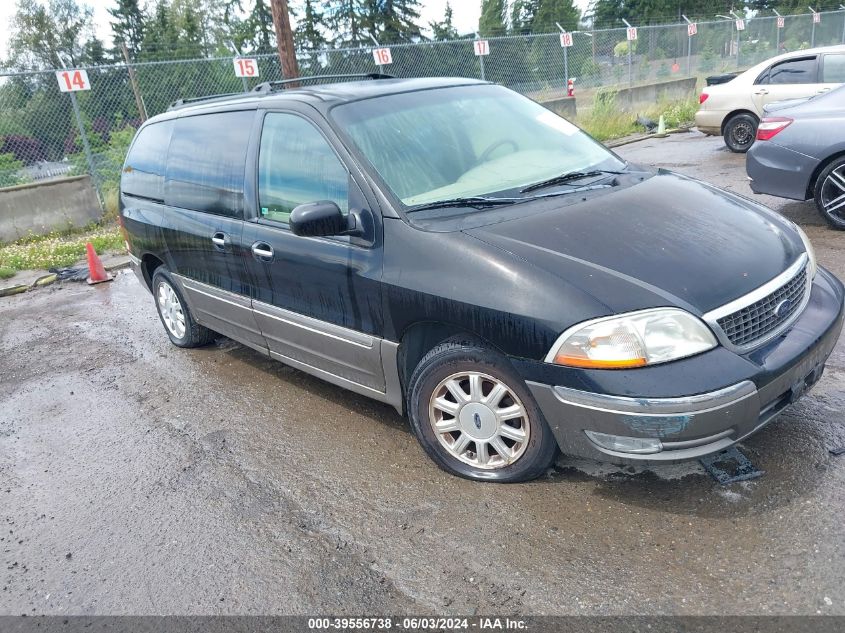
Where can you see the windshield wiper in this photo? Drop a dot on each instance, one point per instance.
(477, 202)
(565, 178)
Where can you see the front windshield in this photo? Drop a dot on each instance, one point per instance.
(435, 145)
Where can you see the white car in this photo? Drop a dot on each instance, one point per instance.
(733, 109)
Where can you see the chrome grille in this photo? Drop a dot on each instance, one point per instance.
(755, 321)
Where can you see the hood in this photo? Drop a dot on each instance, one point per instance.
(669, 240)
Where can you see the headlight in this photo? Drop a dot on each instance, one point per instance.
(811, 252)
(632, 340)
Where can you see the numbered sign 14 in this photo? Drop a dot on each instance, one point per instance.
(632, 33)
(740, 25)
(566, 40)
(781, 22)
(73, 80)
(245, 67)
(692, 29)
(481, 47)
(382, 56)
(817, 17)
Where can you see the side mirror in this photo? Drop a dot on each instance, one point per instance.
(319, 219)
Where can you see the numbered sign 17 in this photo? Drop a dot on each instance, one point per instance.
(781, 22)
(692, 29)
(632, 33)
(817, 17)
(481, 47)
(246, 67)
(73, 80)
(382, 56)
(566, 40)
(740, 25)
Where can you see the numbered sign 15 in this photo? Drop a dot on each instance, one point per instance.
(481, 47)
(740, 25)
(566, 40)
(781, 22)
(632, 33)
(73, 80)
(692, 29)
(817, 17)
(246, 67)
(382, 56)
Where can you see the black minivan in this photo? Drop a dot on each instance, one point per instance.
(460, 252)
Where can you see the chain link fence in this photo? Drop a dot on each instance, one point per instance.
(40, 136)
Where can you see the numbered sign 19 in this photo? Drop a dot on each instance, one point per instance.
(692, 29)
(481, 47)
(566, 40)
(817, 17)
(740, 25)
(781, 22)
(632, 33)
(246, 67)
(382, 56)
(73, 80)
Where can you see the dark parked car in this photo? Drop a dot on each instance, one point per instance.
(456, 250)
(803, 153)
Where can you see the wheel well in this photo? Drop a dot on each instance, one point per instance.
(811, 186)
(149, 263)
(733, 114)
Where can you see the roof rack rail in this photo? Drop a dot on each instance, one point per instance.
(270, 86)
(188, 101)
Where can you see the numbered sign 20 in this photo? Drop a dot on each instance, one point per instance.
(566, 40)
(632, 33)
(817, 17)
(246, 67)
(692, 29)
(73, 80)
(740, 25)
(481, 47)
(382, 56)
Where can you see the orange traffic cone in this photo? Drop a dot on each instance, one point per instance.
(96, 271)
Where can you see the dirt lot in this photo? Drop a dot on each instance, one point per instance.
(138, 478)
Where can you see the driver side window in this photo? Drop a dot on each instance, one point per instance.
(297, 165)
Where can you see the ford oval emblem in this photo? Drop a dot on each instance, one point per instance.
(782, 309)
(477, 420)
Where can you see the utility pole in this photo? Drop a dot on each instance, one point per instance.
(133, 81)
(284, 39)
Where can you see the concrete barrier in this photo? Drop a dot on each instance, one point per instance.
(649, 94)
(43, 207)
(564, 106)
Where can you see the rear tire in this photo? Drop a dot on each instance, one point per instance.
(739, 132)
(474, 416)
(174, 313)
(829, 193)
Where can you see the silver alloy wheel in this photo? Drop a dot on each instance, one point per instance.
(479, 420)
(833, 193)
(171, 309)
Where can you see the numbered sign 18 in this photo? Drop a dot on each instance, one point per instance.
(740, 25)
(382, 56)
(781, 22)
(73, 80)
(566, 40)
(692, 29)
(246, 67)
(481, 47)
(817, 17)
(632, 33)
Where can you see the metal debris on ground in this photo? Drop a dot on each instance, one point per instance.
(730, 466)
(836, 452)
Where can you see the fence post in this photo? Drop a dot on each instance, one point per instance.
(565, 58)
(87, 148)
(813, 31)
(630, 64)
(689, 46)
(842, 6)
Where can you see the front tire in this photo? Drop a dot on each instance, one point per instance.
(740, 132)
(174, 313)
(474, 416)
(829, 193)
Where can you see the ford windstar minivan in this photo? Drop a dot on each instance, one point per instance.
(456, 250)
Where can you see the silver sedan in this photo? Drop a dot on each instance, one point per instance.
(802, 153)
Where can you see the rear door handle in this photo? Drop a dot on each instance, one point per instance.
(263, 251)
(219, 240)
(762, 91)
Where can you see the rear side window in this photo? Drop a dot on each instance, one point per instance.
(205, 166)
(833, 69)
(793, 71)
(143, 172)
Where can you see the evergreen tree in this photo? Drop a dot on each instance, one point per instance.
(549, 12)
(492, 20)
(344, 18)
(308, 35)
(444, 30)
(127, 26)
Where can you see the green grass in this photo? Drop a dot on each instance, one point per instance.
(605, 122)
(6, 273)
(55, 250)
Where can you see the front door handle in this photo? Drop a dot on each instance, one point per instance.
(219, 240)
(762, 91)
(263, 251)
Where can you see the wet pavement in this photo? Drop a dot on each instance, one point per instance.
(139, 478)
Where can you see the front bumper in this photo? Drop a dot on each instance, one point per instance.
(716, 416)
(779, 171)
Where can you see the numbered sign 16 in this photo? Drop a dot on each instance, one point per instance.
(481, 47)
(781, 22)
(246, 67)
(817, 17)
(692, 29)
(566, 40)
(73, 80)
(632, 33)
(382, 56)
(740, 25)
